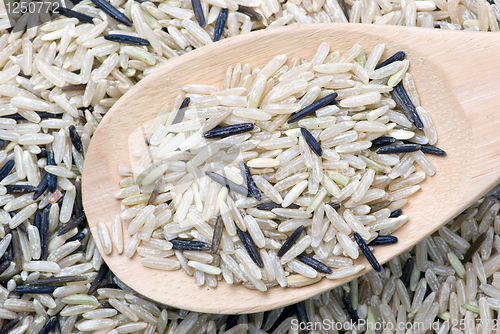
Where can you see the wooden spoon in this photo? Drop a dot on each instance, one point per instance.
(455, 79)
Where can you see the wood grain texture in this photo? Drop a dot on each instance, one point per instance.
(455, 80)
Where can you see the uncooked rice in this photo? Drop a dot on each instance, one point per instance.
(224, 193)
(58, 65)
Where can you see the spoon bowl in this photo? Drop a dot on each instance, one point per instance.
(453, 77)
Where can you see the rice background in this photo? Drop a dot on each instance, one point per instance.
(67, 67)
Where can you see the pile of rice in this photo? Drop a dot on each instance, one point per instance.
(70, 74)
(310, 171)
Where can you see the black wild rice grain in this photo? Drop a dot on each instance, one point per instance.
(334, 205)
(302, 315)
(89, 108)
(5, 170)
(190, 245)
(312, 108)
(75, 139)
(35, 289)
(41, 114)
(71, 13)
(474, 247)
(42, 186)
(78, 207)
(182, 110)
(44, 233)
(250, 12)
(343, 7)
(44, 114)
(42, 154)
(290, 241)
(110, 286)
(404, 103)
(252, 187)
(268, 206)
(405, 148)
(16, 247)
(311, 141)
(52, 179)
(126, 39)
(23, 229)
(77, 237)
(2, 144)
(198, 13)
(217, 235)
(230, 130)
(232, 321)
(383, 141)
(378, 206)
(79, 249)
(383, 240)
(38, 219)
(112, 12)
(8, 327)
(315, 264)
(57, 327)
(407, 270)
(228, 184)
(252, 250)
(70, 88)
(60, 280)
(395, 57)
(4, 265)
(81, 218)
(98, 279)
(20, 189)
(10, 256)
(396, 213)
(429, 149)
(48, 326)
(155, 192)
(348, 307)
(105, 303)
(367, 252)
(219, 24)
